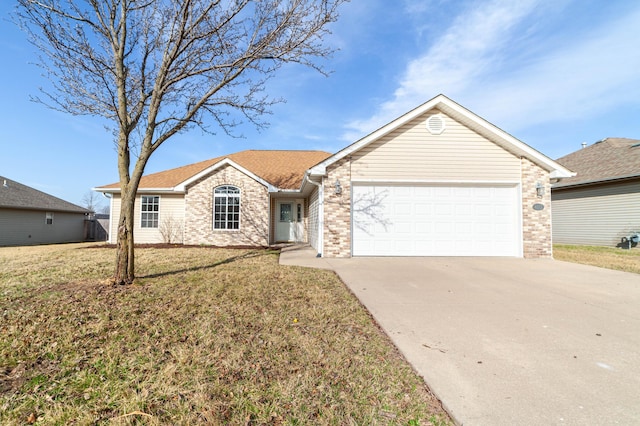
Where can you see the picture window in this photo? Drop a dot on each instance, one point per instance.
(226, 208)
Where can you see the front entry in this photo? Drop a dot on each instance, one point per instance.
(289, 221)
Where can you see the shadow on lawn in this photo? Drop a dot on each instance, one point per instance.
(213, 265)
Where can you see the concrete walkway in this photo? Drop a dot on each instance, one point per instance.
(505, 341)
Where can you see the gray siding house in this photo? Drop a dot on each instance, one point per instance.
(600, 205)
(29, 217)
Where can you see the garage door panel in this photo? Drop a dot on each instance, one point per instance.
(403, 228)
(435, 221)
(441, 209)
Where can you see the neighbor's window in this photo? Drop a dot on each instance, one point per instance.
(226, 207)
(150, 211)
(49, 218)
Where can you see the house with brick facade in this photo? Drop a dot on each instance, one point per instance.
(437, 181)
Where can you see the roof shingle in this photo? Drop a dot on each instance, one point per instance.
(14, 195)
(608, 159)
(283, 169)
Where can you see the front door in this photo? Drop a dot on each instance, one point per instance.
(289, 221)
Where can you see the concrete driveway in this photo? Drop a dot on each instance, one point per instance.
(505, 341)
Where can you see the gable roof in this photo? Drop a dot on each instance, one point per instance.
(606, 160)
(281, 169)
(464, 116)
(14, 195)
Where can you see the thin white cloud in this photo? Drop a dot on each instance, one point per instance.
(499, 62)
(454, 62)
(583, 78)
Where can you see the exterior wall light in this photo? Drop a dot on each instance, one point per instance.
(539, 190)
(338, 187)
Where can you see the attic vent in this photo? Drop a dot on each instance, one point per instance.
(436, 124)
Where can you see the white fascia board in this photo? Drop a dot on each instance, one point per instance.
(317, 170)
(226, 162)
(106, 190)
(311, 177)
(320, 169)
(452, 108)
(559, 174)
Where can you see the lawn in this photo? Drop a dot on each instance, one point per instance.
(604, 257)
(204, 336)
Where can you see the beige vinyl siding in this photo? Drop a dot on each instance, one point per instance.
(411, 153)
(28, 227)
(114, 218)
(171, 210)
(597, 215)
(312, 229)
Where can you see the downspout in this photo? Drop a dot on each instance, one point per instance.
(110, 197)
(320, 187)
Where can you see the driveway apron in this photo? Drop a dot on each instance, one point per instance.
(507, 341)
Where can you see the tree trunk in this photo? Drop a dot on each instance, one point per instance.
(125, 272)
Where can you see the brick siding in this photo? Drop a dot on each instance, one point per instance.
(254, 211)
(337, 211)
(536, 224)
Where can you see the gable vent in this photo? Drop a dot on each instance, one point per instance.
(436, 124)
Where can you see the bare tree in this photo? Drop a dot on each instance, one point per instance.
(91, 201)
(171, 230)
(155, 68)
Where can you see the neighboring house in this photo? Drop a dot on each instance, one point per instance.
(601, 204)
(29, 216)
(437, 181)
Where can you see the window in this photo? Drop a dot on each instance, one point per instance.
(285, 213)
(226, 207)
(150, 211)
(48, 218)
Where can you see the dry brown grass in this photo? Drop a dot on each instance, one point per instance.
(203, 336)
(604, 257)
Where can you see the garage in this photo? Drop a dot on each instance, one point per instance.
(435, 220)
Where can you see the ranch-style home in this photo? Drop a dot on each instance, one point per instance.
(437, 181)
(31, 217)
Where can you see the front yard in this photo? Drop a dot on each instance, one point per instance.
(204, 336)
(604, 257)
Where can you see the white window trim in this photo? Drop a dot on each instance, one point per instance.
(213, 210)
(47, 216)
(143, 212)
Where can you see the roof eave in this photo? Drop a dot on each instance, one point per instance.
(456, 110)
(560, 185)
(181, 187)
(80, 210)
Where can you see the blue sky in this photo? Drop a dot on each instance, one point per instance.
(552, 73)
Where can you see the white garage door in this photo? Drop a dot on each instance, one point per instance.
(435, 221)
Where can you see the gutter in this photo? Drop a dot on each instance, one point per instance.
(559, 185)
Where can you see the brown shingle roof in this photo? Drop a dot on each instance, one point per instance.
(283, 169)
(608, 159)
